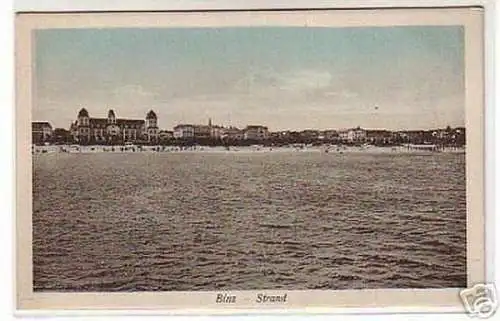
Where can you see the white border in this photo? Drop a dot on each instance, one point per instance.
(492, 117)
(149, 5)
(7, 160)
(491, 149)
(308, 301)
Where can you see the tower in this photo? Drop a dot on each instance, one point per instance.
(151, 120)
(83, 118)
(111, 117)
(83, 124)
(151, 126)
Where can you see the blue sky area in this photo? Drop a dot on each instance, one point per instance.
(283, 77)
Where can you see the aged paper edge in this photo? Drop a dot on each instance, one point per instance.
(204, 302)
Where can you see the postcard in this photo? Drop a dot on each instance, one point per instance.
(306, 160)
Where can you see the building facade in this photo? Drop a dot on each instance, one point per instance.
(356, 135)
(330, 134)
(113, 130)
(256, 132)
(233, 133)
(217, 132)
(184, 131)
(41, 132)
(202, 131)
(352, 135)
(376, 136)
(166, 135)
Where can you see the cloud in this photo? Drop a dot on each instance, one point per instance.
(133, 91)
(305, 80)
(343, 93)
(268, 81)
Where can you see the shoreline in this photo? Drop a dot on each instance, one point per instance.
(97, 149)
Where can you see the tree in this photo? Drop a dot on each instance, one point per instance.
(61, 136)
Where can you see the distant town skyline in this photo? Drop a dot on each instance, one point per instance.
(286, 78)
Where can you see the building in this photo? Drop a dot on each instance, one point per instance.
(152, 131)
(113, 130)
(413, 136)
(61, 136)
(73, 131)
(165, 134)
(217, 131)
(198, 131)
(356, 135)
(256, 132)
(184, 131)
(377, 136)
(202, 131)
(459, 136)
(343, 134)
(233, 133)
(330, 134)
(352, 135)
(41, 132)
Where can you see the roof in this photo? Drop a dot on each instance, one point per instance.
(183, 125)
(122, 121)
(414, 131)
(378, 131)
(151, 115)
(104, 122)
(201, 127)
(83, 113)
(98, 121)
(255, 127)
(40, 124)
(344, 130)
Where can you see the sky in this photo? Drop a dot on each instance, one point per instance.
(295, 78)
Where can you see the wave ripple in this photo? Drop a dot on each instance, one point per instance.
(189, 222)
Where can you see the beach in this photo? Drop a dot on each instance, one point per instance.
(234, 149)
